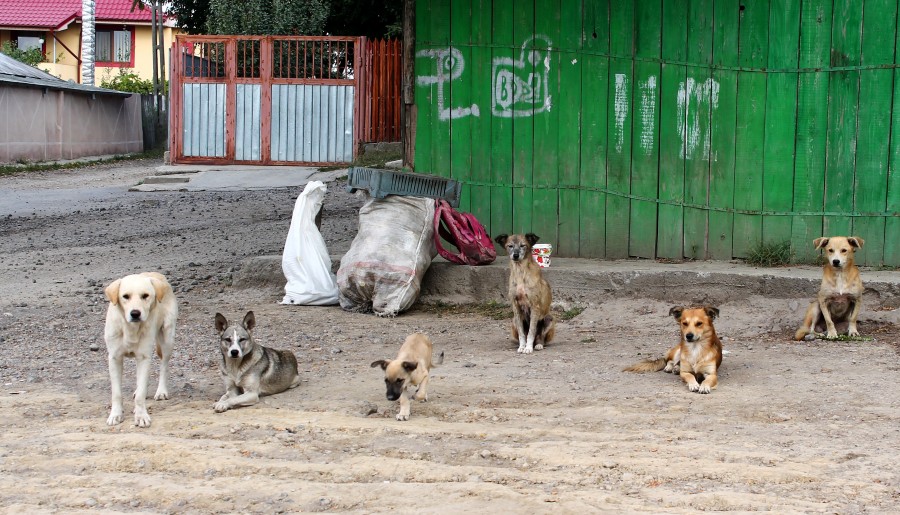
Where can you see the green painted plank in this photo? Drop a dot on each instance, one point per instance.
(812, 124)
(440, 129)
(523, 125)
(892, 223)
(781, 119)
(618, 173)
(670, 230)
(645, 150)
(594, 91)
(699, 97)
(723, 119)
(843, 97)
(750, 128)
(872, 155)
(462, 115)
(501, 128)
(545, 206)
(425, 92)
(480, 66)
(569, 101)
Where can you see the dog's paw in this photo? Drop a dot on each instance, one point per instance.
(221, 406)
(421, 397)
(539, 347)
(161, 395)
(527, 350)
(703, 389)
(853, 332)
(694, 387)
(115, 418)
(403, 417)
(142, 419)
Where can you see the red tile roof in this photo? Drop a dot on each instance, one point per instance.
(51, 14)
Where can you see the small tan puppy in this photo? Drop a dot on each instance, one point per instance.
(529, 294)
(698, 355)
(140, 319)
(840, 296)
(409, 369)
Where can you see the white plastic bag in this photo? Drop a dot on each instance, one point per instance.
(382, 271)
(305, 262)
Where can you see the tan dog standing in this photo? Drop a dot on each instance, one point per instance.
(409, 369)
(140, 319)
(698, 355)
(529, 294)
(840, 295)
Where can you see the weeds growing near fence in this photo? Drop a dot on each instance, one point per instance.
(27, 166)
(770, 254)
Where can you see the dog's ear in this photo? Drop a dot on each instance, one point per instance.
(221, 322)
(161, 288)
(818, 243)
(112, 292)
(711, 312)
(249, 321)
(409, 366)
(501, 239)
(676, 312)
(856, 241)
(383, 363)
(532, 238)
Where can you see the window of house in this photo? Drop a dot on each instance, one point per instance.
(113, 46)
(29, 40)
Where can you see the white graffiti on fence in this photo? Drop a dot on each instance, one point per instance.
(696, 100)
(520, 85)
(620, 110)
(648, 114)
(449, 64)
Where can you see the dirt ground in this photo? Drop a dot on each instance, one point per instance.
(793, 427)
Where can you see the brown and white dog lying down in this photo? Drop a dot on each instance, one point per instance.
(840, 295)
(698, 355)
(410, 368)
(529, 294)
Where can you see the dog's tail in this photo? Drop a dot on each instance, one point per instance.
(439, 360)
(648, 365)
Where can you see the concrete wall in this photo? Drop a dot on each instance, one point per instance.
(53, 125)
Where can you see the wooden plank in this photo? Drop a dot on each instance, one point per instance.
(699, 95)
(440, 129)
(594, 88)
(462, 114)
(812, 124)
(842, 110)
(670, 230)
(480, 66)
(618, 173)
(750, 128)
(571, 64)
(501, 128)
(425, 92)
(781, 120)
(545, 205)
(892, 223)
(523, 126)
(645, 150)
(723, 119)
(875, 92)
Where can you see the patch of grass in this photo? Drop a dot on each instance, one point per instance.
(571, 313)
(845, 338)
(770, 254)
(588, 340)
(23, 166)
(491, 309)
(370, 159)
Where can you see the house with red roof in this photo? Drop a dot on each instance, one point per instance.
(123, 36)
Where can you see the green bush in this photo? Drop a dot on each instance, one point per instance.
(31, 57)
(770, 254)
(131, 82)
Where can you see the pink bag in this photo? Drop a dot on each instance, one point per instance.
(465, 232)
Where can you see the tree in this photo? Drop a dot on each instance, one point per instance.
(267, 17)
(32, 57)
(191, 15)
(370, 18)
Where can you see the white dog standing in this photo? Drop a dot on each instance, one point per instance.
(140, 319)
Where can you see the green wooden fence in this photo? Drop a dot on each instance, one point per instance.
(668, 128)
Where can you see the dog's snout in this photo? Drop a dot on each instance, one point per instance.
(836, 262)
(234, 353)
(391, 396)
(135, 314)
(689, 337)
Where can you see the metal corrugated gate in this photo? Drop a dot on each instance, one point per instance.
(264, 100)
(666, 128)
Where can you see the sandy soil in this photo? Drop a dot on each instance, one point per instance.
(793, 427)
